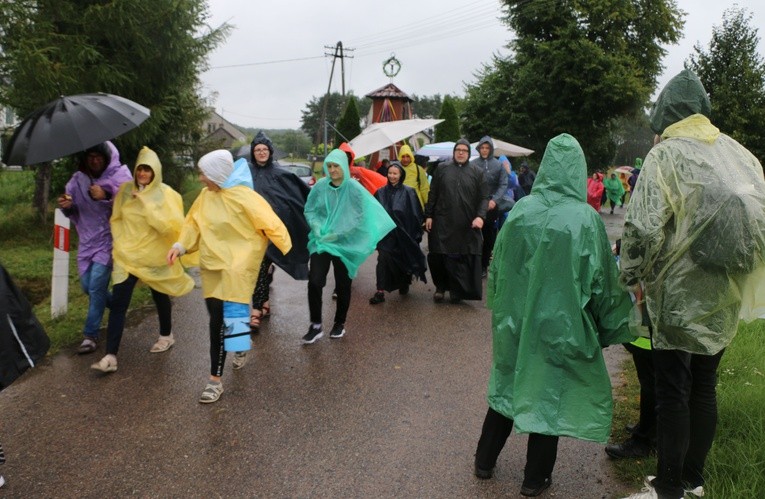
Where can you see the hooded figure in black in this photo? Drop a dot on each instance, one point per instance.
(399, 254)
(286, 194)
(454, 216)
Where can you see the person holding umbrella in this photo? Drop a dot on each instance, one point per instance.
(87, 201)
(231, 226)
(146, 219)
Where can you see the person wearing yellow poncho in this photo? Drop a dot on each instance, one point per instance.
(694, 234)
(416, 177)
(230, 225)
(146, 218)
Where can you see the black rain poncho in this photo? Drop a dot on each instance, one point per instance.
(555, 303)
(400, 249)
(286, 194)
(694, 231)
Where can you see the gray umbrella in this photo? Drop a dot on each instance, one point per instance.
(71, 124)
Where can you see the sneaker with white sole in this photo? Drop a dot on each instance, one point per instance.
(2, 481)
(163, 344)
(108, 364)
(338, 331)
(313, 334)
(211, 393)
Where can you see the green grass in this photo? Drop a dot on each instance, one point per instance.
(735, 465)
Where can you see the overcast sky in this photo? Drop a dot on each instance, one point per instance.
(273, 62)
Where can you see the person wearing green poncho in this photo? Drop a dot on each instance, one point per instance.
(694, 235)
(555, 303)
(614, 190)
(346, 224)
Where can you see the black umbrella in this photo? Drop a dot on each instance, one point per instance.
(71, 124)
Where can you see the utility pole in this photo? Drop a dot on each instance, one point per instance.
(339, 53)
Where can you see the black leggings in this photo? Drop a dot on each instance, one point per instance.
(122, 293)
(265, 277)
(217, 352)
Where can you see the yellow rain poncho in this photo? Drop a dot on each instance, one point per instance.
(416, 178)
(694, 231)
(144, 224)
(231, 229)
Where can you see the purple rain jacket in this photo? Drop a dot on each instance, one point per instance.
(91, 218)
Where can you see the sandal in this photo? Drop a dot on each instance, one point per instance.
(265, 310)
(88, 345)
(211, 393)
(255, 316)
(163, 344)
(108, 364)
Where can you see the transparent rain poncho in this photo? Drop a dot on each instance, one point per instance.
(345, 221)
(695, 228)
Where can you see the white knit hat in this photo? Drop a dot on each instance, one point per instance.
(217, 165)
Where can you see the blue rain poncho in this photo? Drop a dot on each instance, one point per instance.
(694, 231)
(556, 302)
(345, 221)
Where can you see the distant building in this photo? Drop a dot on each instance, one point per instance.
(220, 132)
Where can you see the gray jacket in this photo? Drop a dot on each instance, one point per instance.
(493, 173)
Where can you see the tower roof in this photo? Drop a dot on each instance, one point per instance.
(389, 91)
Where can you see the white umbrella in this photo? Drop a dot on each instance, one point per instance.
(441, 150)
(508, 149)
(381, 135)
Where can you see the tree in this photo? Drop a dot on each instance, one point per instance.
(575, 68)
(633, 138)
(349, 124)
(449, 129)
(149, 51)
(311, 116)
(733, 74)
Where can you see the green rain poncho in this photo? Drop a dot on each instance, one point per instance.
(614, 190)
(694, 231)
(345, 221)
(555, 304)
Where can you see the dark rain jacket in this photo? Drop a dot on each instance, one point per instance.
(403, 243)
(458, 194)
(23, 341)
(556, 302)
(694, 231)
(287, 195)
(493, 172)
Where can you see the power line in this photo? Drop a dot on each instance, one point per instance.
(279, 61)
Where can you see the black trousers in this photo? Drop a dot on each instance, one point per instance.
(646, 428)
(686, 405)
(541, 450)
(317, 279)
(489, 232)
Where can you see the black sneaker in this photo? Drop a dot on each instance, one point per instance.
(630, 448)
(403, 290)
(483, 474)
(535, 490)
(313, 334)
(338, 331)
(379, 297)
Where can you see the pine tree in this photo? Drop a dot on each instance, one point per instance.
(349, 124)
(449, 129)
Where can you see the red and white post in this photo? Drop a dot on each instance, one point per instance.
(59, 294)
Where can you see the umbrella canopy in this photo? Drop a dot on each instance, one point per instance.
(71, 124)
(624, 169)
(442, 150)
(381, 135)
(508, 149)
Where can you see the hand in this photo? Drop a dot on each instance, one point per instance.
(428, 224)
(172, 256)
(477, 223)
(97, 192)
(65, 201)
(492, 204)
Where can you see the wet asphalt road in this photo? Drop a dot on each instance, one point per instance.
(393, 409)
